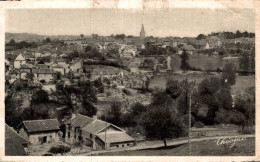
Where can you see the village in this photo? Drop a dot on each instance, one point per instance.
(80, 94)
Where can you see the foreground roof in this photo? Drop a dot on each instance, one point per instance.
(41, 125)
(14, 143)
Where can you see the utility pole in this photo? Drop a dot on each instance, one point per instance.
(189, 141)
(106, 133)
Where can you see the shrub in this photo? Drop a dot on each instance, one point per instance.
(127, 92)
(59, 149)
(109, 93)
(199, 124)
(42, 81)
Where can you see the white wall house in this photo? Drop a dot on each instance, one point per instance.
(20, 60)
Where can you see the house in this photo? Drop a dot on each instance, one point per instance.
(20, 60)
(76, 65)
(128, 51)
(61, 62)
(40, 131)
(188, 48)
(95, 133)
(26, 67)
(15, 145)
(46, 74)
(59, 68)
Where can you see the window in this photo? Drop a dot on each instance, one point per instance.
(68, 134)
(69, 127)
(128, 144)
(74, 136)
(90, 135)
(122, 145)
(75, 129)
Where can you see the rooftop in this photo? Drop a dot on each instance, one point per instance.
(41, 125)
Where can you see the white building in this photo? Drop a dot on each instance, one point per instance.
(20, 60)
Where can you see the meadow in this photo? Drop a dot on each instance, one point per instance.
(242, 82)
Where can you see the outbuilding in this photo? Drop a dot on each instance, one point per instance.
(40, 131)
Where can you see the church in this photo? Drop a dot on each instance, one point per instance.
(138, 41)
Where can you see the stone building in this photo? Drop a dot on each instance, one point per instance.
(95, 133)
(40, 131)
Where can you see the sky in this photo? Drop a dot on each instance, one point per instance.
(168, 22)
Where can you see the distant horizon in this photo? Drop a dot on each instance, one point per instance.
(123, 33)
(104, 22)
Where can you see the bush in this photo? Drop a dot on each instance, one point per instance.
(59, 149)
(199, 124)
(127, 92)
(248, 130)
(42, 81)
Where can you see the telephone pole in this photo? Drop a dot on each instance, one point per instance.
(189, 141)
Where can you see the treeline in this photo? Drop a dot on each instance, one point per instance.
(20, 45)
(228, 35)
(232, 35)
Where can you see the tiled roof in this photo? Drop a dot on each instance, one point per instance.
(79, 120)
(188, 47)
(14, 143)
(57, 66)
(41, 66)
(95, 126)
(46, 71)
(20, 58)
(114, 137)
(14, 72)
(41, 125)
(26, 66)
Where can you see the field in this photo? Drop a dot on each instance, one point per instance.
(204, 148)
(242, 82)
(202, 61)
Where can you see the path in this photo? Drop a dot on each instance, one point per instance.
(156, 144)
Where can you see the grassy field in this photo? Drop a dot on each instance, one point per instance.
(242, 82)
(202, 61)
(204, 148)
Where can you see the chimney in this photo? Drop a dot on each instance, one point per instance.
(73, 116)
(94, 117)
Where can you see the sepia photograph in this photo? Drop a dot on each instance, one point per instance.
(121, 82)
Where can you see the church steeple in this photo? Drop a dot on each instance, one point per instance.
(142, 33)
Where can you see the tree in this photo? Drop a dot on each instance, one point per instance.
(88, 97)
(12, 115)
(12, 43)
(185, 61)
(48, 40)
(29, 76)
(114, 114)
(173, 88)
(253, 59)
(229, 73)
(40, 96)
(166, 126)
(201, 36)
(81, 36)
(88, 109)
(209, 67)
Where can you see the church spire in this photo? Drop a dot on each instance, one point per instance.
(142, 33)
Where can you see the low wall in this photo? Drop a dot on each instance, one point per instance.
(214, 132)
